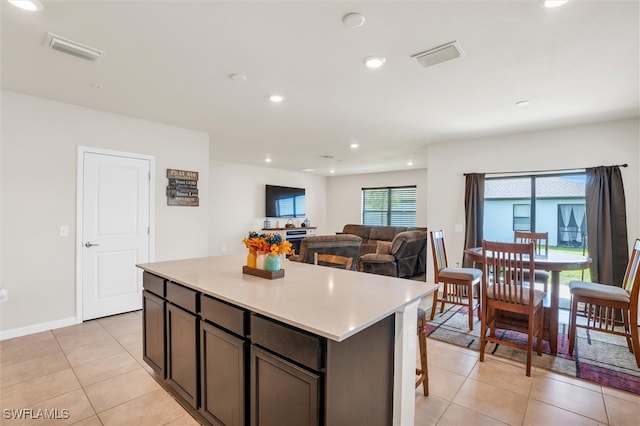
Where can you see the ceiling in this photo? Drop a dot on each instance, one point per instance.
(169, 62)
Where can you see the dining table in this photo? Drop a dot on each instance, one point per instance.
(554, 262)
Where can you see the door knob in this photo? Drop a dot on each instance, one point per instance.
(88, 244)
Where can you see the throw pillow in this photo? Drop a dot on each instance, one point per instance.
(383, 247)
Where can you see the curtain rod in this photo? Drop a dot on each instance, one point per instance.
(540, 171)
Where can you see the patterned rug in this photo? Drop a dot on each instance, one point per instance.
(598, 357)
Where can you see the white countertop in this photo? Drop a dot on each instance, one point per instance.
(329, 302)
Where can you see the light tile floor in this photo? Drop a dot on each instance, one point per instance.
(95, 371)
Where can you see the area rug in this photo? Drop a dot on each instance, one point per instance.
(598, 357)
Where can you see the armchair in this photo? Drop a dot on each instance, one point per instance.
(345, 245)
(404, 258)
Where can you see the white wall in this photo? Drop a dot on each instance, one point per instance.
(38, 177)
(608, 143)
(237, 192)
(344, 195)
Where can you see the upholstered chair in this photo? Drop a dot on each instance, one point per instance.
(345, 245)
(402, 258)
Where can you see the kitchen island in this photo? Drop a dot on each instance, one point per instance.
(318, 346)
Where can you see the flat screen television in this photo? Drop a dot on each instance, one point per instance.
(284, 201)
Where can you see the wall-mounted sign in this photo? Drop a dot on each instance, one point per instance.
(183, 188)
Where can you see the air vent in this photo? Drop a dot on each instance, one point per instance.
(437, 55)
(73, 48)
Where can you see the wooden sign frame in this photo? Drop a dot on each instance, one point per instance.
(182, 189)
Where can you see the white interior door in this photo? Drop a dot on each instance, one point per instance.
(115, 232)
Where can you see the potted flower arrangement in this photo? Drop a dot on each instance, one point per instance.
(266, 248)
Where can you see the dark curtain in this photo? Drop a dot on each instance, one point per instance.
(606, 225)
(474, 213)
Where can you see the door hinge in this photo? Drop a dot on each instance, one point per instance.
(148, 230)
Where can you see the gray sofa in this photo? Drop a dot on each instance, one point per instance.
(407, 256)
(341, 245)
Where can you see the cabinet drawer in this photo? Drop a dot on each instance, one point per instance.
(222, 314)
(181, 296)
(154, 284)
(287, 341)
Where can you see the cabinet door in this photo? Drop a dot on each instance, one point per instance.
(153, 337)
(182, 353)
(281, 392)
(222, 376)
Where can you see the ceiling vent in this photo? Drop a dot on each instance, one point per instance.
(73, 48)
(437, 55)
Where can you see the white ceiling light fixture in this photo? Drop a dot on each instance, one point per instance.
(439, 54)
(354, 146)
(28, 5)
(238, 78)
(409, 163)
(267, 160)
(374, 61)
(554, 3)
(276, 99)
(332, 171)
(522, 104)
(353, 20)
(73, 48)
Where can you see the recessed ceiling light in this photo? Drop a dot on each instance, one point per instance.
(409, 163)
(374, 61)
(29, 5)
(521, 104)
(267, 160)
(554, 3)
(308, 170)
(353, 20)
(238, 78)
(276, 98)
(332, 171)
(354, 145)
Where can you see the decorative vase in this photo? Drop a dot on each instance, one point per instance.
(251, 258)
(260, 259)
(272, 263)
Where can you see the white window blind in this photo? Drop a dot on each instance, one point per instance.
(390, 206)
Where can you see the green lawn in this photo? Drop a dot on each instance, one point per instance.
(566, 276)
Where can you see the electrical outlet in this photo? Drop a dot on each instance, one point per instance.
(4, 294)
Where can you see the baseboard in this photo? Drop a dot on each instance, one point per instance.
(37, 328)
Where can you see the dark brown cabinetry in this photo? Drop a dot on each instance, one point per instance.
(222, 362)
(282, 393)
(182, 325)
(237, 367)
(285, 376)
(153, 329)
(222, 376)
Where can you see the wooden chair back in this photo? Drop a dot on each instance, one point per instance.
(332, 260)
(631, 281)
(540, 241)
(505, 275)
(439, 252)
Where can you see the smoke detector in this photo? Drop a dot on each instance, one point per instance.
(437, 55)
(73, 48)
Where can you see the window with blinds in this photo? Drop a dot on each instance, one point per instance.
(390, 206)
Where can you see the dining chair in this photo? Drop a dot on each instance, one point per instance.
(459, 285)
(603, 302)
(540, 242)
(504, 288)
(422, 373)
(332, 260)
